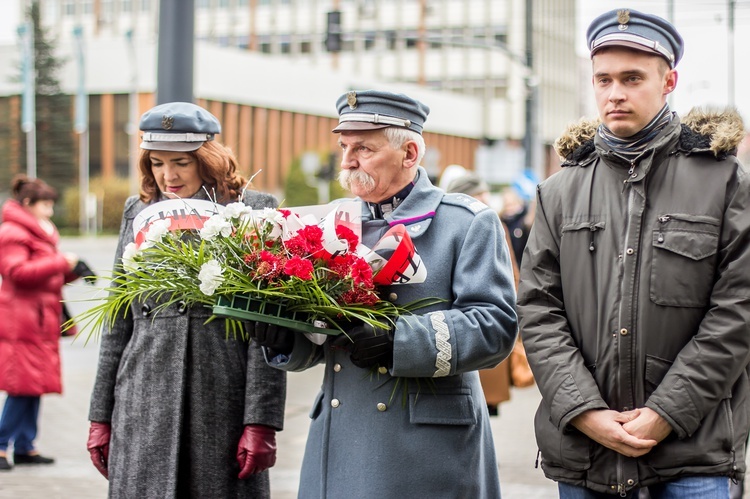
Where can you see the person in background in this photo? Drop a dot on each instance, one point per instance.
(180, 409)
(434, 439)
(517, 214)
(33, 272)
(515, 370)
(634, 285)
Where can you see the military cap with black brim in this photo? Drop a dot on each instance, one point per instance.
(638, 31)
(177, 126)
(375, 109)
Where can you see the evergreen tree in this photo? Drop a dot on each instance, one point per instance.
(55, 141)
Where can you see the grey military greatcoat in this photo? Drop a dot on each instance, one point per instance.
(178, 393)
(366, 440)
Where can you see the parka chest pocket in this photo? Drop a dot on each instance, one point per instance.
(684, 261)
(581, 235)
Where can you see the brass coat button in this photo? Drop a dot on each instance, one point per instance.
(335, 403)
(336, 368)
(393, 297)
(382, 370)
(382, 407)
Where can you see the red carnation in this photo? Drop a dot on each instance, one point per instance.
(344, 232)
(296, 246)
(359, 296)
(313, 237)
(270, 265)
(362, 273)
(284, 212)
(299, 267)
(341, 265)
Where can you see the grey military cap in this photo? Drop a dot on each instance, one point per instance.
(636, 30)
(470, 183)
(374, 109)
(177, 126)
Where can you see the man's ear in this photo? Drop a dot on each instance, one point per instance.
(412, 153)
(670, 81)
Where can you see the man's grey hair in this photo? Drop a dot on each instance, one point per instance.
(398, 136)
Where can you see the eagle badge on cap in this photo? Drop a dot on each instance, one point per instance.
(351, 99)
(623, 18)
(167, 122)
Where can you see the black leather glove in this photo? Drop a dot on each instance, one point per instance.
(83, 270)
(277, 338)
(369, 346)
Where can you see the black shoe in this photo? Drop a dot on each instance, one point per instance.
(4, 464)
(31, 459)
(492, 409)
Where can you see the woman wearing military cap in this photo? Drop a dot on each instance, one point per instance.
(178, 409)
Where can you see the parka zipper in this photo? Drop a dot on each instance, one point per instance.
(621, 488)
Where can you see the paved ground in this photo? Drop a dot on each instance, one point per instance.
(63, 425)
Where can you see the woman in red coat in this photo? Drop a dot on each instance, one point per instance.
(33, 273)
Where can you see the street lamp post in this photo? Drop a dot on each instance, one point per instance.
(175, 65)
(81, 127)
(28, 100)
(133, 115)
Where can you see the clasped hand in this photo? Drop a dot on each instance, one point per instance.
(367, 345)
(631, 433)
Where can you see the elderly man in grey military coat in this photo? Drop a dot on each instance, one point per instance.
(418, 427)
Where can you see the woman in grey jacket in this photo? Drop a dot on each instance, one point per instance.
(178, 408)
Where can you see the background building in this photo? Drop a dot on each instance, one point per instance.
(263, 68)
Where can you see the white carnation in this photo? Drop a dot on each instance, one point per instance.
(128, 257)
(157, 230)
(236, 210)
(214, 226)
(210, 277)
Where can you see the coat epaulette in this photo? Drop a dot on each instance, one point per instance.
(465, 201)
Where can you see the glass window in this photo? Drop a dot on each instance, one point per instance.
(305, 47)
(390, 39)
(145, 5)
(50, 11)
(88, 6)
(126, 5)
(223, 4)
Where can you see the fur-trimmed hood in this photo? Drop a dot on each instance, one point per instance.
(718, 131)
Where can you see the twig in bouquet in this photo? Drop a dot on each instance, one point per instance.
(247, 184)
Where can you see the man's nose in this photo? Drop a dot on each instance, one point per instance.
(616, 92)
(348, 160)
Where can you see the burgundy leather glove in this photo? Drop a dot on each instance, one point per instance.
(256, 451)
(369, 346)
(98, 446)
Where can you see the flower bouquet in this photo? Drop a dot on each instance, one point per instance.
(301, 268)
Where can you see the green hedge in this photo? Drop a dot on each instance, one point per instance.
(110, 195)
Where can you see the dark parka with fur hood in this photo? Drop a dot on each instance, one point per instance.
(635, 291)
